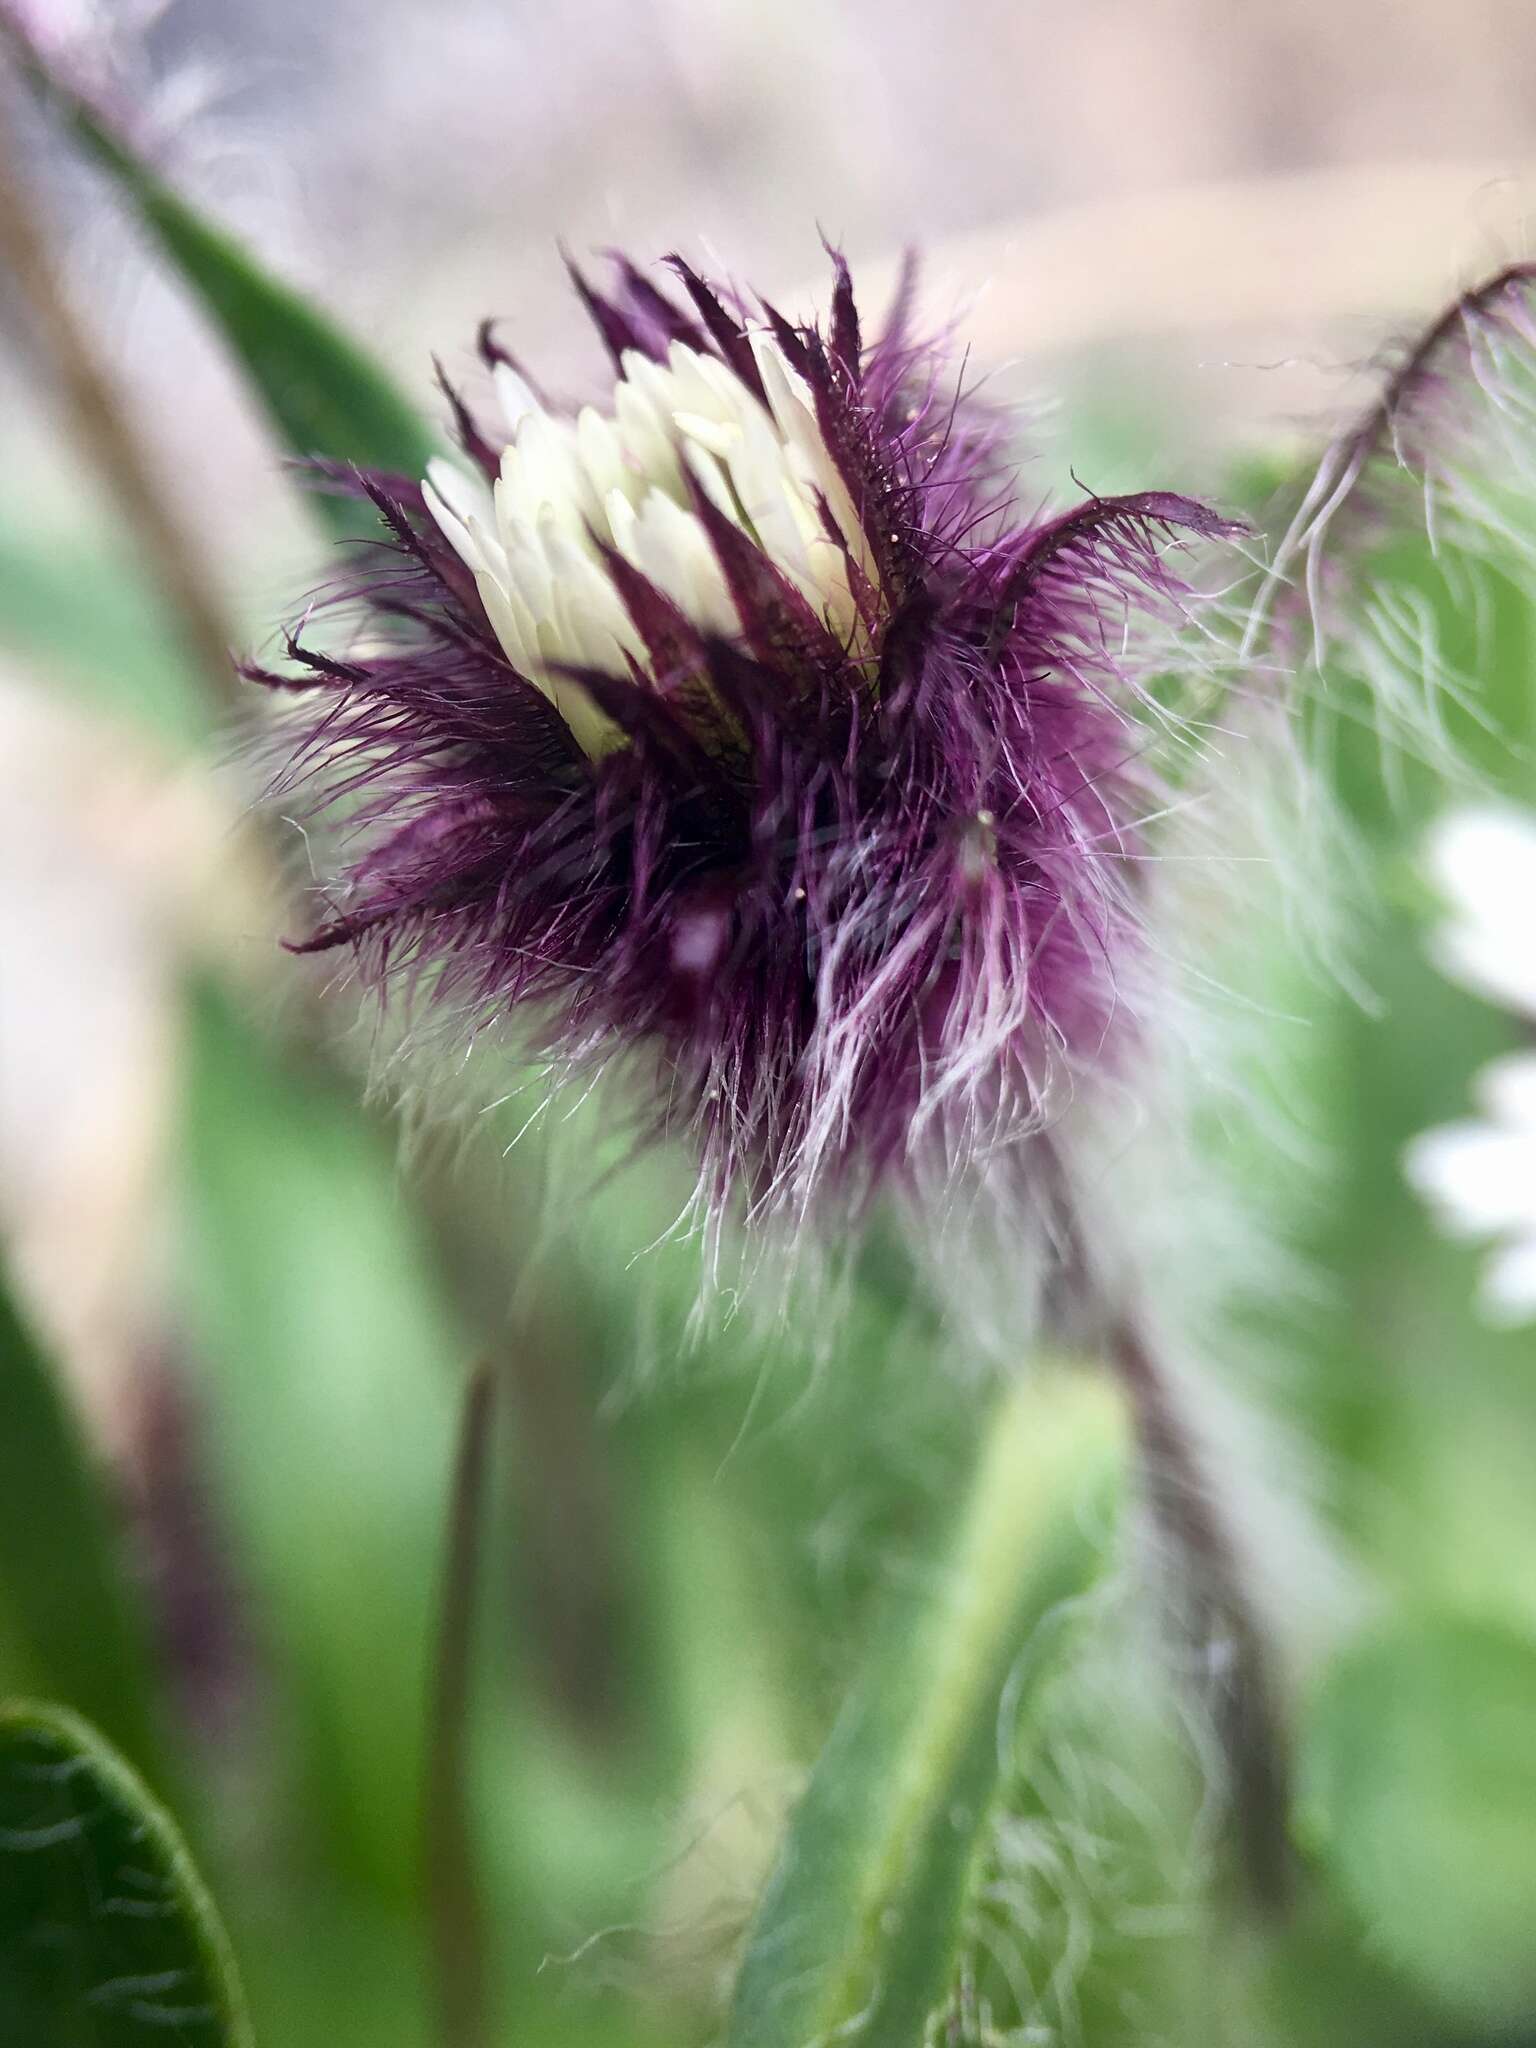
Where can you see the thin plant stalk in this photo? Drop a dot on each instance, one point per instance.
(1188, 1517)
(455, 1905)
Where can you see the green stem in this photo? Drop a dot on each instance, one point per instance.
(1188, 1516)
(859, 1933)
(454, 1903)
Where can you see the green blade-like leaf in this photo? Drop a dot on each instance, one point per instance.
(66, 1622)
(858, 1936)
(326, 396)
(108, 1938)
(85, 615)
(331, 1366)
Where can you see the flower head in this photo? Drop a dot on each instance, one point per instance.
(744, 725)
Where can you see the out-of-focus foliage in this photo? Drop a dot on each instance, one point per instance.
(863, 1923)
(326, 396)
(695, 1560)
(107, 1935)
(328, 1395)
(83, 616)
(1421, 1782)
(68, 1624)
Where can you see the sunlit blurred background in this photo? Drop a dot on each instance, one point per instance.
(1179, 232)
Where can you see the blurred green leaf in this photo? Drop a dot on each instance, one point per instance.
(108, 1938)
(1419, 1787)
(860, 1930)
(326, 395)
(332, 1362)
(78, 611)
(66, 1622)
(1322, 1982)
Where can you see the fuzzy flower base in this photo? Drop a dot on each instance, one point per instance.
(748, 726)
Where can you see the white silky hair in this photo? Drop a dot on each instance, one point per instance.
(1161, 1154)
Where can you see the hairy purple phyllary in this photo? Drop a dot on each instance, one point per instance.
(750, 731)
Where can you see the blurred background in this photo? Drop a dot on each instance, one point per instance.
(1179, 233)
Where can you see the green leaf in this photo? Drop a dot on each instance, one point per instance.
(859, 1933)
(66, 1623)
(83, 613)
(108, 1938)
(331, 1362)
(326, 395)
(1418, 1789)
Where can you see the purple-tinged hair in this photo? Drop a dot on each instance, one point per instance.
(867, 906)
(1379, 587)
(864, 911)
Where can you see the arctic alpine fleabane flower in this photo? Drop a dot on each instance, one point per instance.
(747, 730)
(745, 724)
(1479, 1176)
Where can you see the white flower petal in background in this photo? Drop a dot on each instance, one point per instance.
(1479, 1177)
(1483, 861)
(1507, 1295)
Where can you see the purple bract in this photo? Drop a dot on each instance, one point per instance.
(828, 815)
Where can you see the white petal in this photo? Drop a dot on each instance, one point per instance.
(1506, 1088)
(1483, 859)
(544, 474)
(671, 548)
(1507, 1295)
(720, 437)
(710, 474)
(528, 568)
(514, 627)
(601, 452)
(642, 428)
(621, 524)
(692, 391)
(468, 525)
(732, 398)
(1473, 850)
(793, 408)
(1489, 959)
(595, 624)
(786, 390)
(453, 529)
(515, 397)
(468, 496)
(1478, 1178)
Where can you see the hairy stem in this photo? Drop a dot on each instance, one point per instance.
(1189, 1518)
(454, 1905)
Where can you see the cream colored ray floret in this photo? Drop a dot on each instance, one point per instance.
(624, 477)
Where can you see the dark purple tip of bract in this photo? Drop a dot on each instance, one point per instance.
(1456, 408)
(857, 904)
